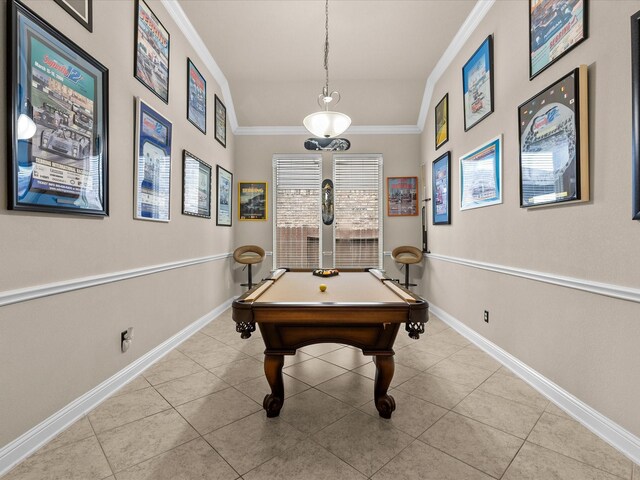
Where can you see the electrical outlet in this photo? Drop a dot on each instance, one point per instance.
(125, 339)
(486, 316)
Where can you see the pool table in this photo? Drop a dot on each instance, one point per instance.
(364, 309)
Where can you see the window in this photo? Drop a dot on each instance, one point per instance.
(297, 233)
(357, 232)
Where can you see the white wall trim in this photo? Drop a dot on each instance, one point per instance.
(30, 441)
(30, 293)
(468, 27)
(606, 289)
(597, 423)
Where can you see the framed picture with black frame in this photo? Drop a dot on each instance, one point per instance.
(402, 196)
(554, 143)
(635, 116)
(477, 84)
(196, 186)
(441, 190)
(224, 181)
(81, 10)
(220, 127)
(555, 28)
(58, 120)
(442, 121)
(196, 97)
(151, 58)
(252, 200)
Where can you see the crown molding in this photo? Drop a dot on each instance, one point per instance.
(468, 27)
(188, 30)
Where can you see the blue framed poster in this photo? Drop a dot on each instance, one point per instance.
(196, 97)
(58, 120)
(153, 164)
(477, 84)
(481, 176)
(441, 189)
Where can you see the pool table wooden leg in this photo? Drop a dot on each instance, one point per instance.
(272, 402)
(384, 373)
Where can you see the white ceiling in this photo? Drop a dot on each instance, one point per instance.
(381, 54)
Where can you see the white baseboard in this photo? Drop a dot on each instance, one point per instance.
(597, 423)
(30, 441)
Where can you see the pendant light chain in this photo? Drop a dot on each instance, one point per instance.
(326, 46)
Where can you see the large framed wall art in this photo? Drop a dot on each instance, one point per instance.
(402, 196)
(196, 186)
(81, 10)
(58, 121)
(196, 97)
(477, 84)
(554, 143)
(481, 175)
(635, 110)
(151, 64)
(225, 188)
(442, 121)
(441, 190)
(220, 127)
(555, 27)
(252, 199)
(152, 165)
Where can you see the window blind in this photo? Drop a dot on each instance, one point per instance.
(357, 234)
(297, 235)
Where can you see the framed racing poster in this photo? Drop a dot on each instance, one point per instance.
(555, 27)
(81, 10)
(196, 186)
(635, 116)
(481, 175)
(151, 63)
(220, 127)
(441, 190)
(152, 165)
(554, 143)
(225, 190)
(477, 84)
(196, 97)
(252, 199)
(58, 121)
(402, 196)
(442, 121)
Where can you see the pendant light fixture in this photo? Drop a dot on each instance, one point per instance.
(327, 123)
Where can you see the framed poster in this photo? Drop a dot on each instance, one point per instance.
(58, 122)
(441, 189)
(152, 165)
(81, 10)
(224, 180)
(635, 114)
(402, 196)
(555, 27)
(196, 97)
(554, 143)
(151, 63)
(220, 126)
(252, 197)
(481, 175)
(442, 121)
(477, 84)
(196, 186)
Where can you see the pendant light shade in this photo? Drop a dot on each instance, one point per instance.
(327, 124)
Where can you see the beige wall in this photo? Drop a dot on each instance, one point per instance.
(54, 349)
(401, 154)
(586, 343)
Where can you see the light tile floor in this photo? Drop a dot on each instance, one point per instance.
(197, 414)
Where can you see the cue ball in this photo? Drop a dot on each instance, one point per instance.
(323, 287)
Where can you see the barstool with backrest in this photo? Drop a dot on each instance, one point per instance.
(407, 255)
(248, 255)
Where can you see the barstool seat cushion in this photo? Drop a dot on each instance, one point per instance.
(248, 254)
(407, 254)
